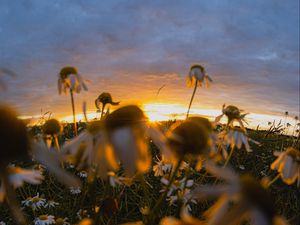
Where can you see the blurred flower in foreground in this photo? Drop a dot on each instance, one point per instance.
(62, 221)
(17, 176)
(15, 143)
(251, 200)
(189, 140)
(197, 75)
(44, 220)
(70, 79)
(104, 99)
(51, 130)
(52, 161)
(86, 221)
(288, 165)
(233, 114)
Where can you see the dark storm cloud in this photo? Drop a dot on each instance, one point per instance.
(251, 49)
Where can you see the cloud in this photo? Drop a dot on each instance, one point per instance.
(131, 48)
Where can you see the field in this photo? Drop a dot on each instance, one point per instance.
(133, 202)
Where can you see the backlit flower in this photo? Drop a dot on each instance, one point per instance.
(240, 199)
(104, 99)
(232, 113)
(198, 73)
(17, 176)
(69, 78)
(44, 220)
(288, 165)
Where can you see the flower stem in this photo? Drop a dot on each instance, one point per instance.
(274, 180)
(73, 109)
(153, 214)
(192, 98)
(102, 110)
(228, 158)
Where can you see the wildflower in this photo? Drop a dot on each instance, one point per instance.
(233, 114)
(104, 99)
(145, 210)
(44, 220)
(83, 174)
(197, 75)
(288, 165)
(14, 140)
(75, 190)
(52, 127)
(62, 221)
(51, 204)
(188, 138)
(2, 223)
(115, 180)
(70, 79)
(17, 176)
(52, 161)
(82, 213)
(88, 151)
(251, 200)
(127, 131)
(35, 202)
(161, 167)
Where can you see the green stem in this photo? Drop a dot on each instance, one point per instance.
(192, 98)
(153, 214)
(102, 110)
(274, 180)
(73, 110)
(228, 158)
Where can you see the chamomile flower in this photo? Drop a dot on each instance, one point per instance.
(82, 213)
(83, 174)
(35, 202)
(233, 114)
(104, 99)
(70, 79)
(62, 221)
(51, 204)
(51, 130)
(52, 161)
(75, 190)
(161, 167)
(2, 223)
(251, 200)
(115, 180)
(288, 165)
(44, 220)
(17, 176)
(198, 74)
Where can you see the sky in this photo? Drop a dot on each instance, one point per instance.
(132, 48)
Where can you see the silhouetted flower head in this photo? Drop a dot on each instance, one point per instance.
(198, 73)
(188, 137)
(14, 140)
(105, 98)
(69, 78)
(52, 127)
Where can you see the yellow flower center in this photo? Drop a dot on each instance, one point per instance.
(43, 217)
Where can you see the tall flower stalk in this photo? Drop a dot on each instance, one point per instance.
(70, 80)
(197, 76)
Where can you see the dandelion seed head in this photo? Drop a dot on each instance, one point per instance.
(52, 127)
(188, 138)
(257, 195)
(14, 140)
